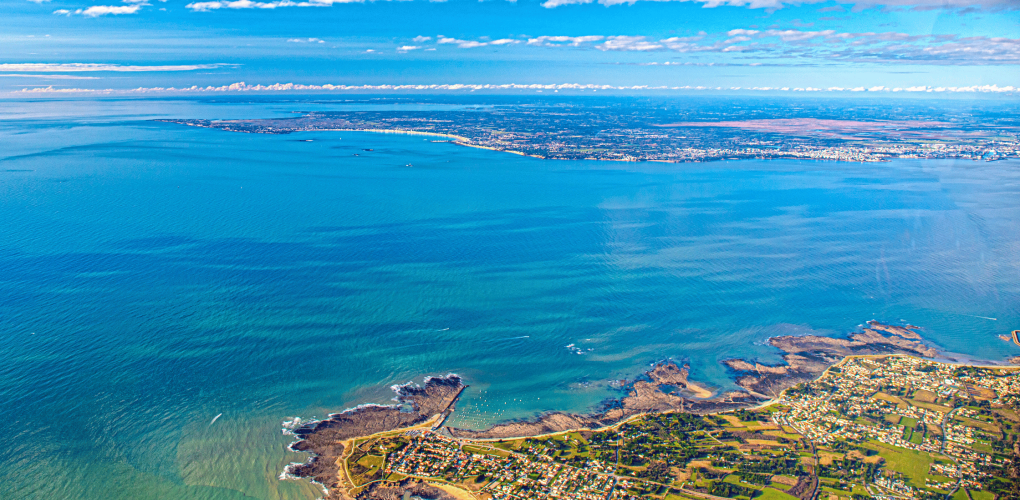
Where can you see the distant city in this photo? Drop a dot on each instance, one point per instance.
(668, 131)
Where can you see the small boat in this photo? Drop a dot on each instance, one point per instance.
(1016, 337)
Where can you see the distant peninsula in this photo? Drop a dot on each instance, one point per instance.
(421, 411)
(636, 131)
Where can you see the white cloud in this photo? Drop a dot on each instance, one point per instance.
(470, 44)
(407, 48)
(421, 39)
(77, 67)
(289, 87)
(551, 4)
(797, 35)
(305, 40)
(800, 45)
(249, 4)
(38, 1)
(575, 41)
(776, 4)
(630, 43)
(51, 77)
(103, 10)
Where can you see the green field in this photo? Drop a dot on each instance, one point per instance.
(960, 495)
(982, 495)
(912, 464)
(774, 494)
(479, 450)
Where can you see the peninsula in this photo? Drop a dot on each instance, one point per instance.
(867, 416)
(662, 131)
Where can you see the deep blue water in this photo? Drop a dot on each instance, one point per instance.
(153, 276)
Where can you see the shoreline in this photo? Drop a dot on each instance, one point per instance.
(805, 359)
(765, 404)
(468, 142)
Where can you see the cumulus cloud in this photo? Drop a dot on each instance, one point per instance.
(305, 40)
(421, 39)
(575, 41)
(290, 87)
(78, 67)
(858, 4)
(249, 4)
(104, 10)
(50, 77)
(407, 48)
(630, 43)
(470, 44)
(830, 45)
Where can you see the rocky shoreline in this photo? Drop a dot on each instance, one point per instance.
(656, 391)
(325, 439)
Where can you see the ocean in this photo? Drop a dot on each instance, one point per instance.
(169, 295)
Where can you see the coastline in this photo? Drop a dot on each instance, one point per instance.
(820, 154)
(805, 359)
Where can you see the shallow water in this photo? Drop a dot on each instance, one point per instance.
(153, 276)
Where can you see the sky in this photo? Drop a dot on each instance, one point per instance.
(232, 46)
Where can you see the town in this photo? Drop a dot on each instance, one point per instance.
(883, 427)
(657, 131)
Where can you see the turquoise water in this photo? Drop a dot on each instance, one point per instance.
(154, 276)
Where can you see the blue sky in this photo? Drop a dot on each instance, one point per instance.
(879, 45)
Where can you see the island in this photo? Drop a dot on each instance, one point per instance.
(872, 415)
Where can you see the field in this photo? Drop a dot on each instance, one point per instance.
(912, 464)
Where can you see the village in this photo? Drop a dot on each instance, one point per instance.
(885, 427)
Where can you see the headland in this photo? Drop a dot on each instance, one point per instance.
(765, 438)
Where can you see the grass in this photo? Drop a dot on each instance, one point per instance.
(485, 451)
(782, 434)
(960, 495)
(507, 445)
(977, 424)
(1008, 413)
(982, 495)
(890, 398)
(774, 494)
(371, 461)
(839, 492)
(929, 406)
(913, 464)
(826, 457)
(982, 447)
